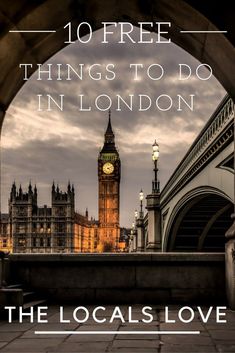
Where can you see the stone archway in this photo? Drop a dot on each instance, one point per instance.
(199, 222)
(217, 50)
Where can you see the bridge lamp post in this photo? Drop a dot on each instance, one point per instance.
(136, 215)
(155, 156)
(140, 225)
(153, 207)
(131, 244)
(134, 236)
(141, 195)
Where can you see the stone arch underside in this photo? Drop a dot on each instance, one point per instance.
(217, 50)
(200, 224)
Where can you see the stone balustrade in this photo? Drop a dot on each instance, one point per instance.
(162, 278)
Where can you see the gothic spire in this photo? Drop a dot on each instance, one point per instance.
(109, 135)
(13, 191)
(53, 186)
(30, 187)
(109, 138)
(13, 188)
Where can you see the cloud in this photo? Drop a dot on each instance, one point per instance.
(43, 146)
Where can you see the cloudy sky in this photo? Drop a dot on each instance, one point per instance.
(61, 146)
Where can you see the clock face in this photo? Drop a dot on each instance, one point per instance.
(108, 168)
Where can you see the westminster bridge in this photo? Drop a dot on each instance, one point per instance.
(192, 212)
(197, 201)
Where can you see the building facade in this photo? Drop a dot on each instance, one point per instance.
(28, 228)
(5, 234)
(86, 233)
(41, 229)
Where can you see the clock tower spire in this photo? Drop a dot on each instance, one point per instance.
(109, 138)
(109, 173)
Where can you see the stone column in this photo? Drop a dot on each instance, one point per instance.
(140, 235)
(3, 269)
(154, 222)
(2, 254)
(134, 233)
(230, 253)
(2, 114)
(1, 272)
(130, 243)
(230, 270)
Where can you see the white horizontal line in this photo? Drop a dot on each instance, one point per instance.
(117, 332)
(203, 31)
(32, 31)
(53, 31)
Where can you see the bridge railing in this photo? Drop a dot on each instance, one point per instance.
(223, 116)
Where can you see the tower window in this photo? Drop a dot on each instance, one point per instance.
(61, 242)
(21, 242)
(41, 242)
(60, 211)
(60, 227)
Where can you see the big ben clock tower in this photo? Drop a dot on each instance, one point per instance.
(109, 173)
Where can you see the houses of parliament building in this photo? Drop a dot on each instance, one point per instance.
(28, 228)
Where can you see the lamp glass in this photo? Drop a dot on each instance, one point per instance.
(155, 147)
(155, 155)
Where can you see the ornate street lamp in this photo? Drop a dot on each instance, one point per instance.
(134, 237)
(155, 156)
(131, 239)
(136, 215)
(141, 194)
